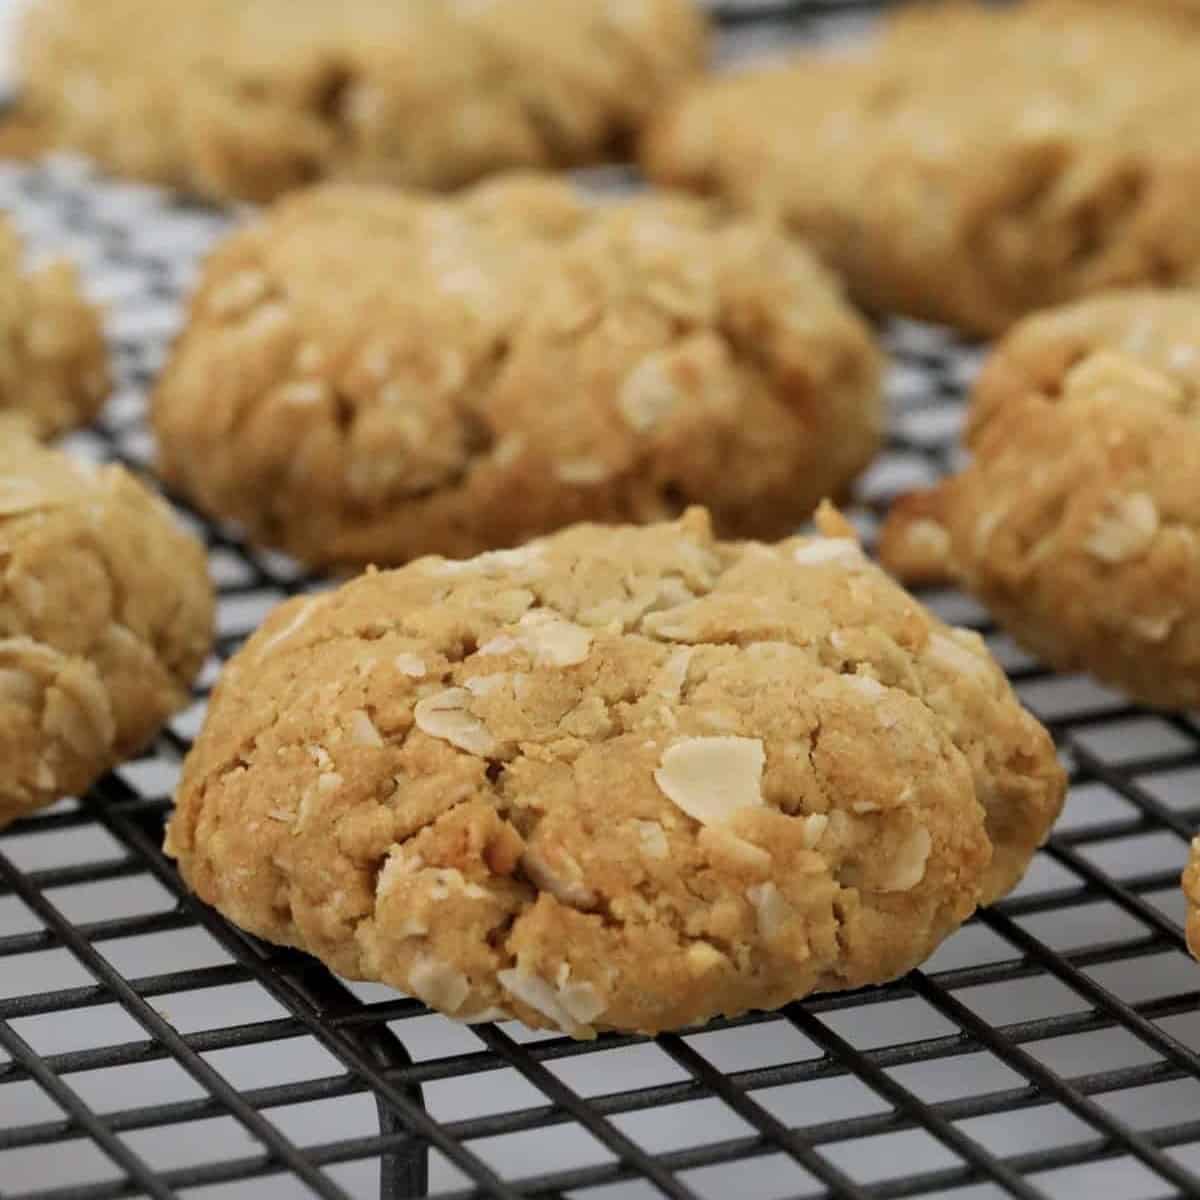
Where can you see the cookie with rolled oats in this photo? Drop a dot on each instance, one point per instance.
(618, 778)
(962, 194)
(369, 375)
(54, 372)
(249, 98)
(1077, 520)
(1175, 8)
(106, 615)
(1191, 892)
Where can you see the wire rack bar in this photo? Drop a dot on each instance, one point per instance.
(86, 1120)
(166, 1038)
(1118, 1134)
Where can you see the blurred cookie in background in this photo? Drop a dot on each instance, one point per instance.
(974, 164)
(369, 375)
(54, 373)
(106, 615)
(1077, 521)
(245, 99)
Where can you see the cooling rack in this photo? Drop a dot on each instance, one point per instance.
(1050, 1049)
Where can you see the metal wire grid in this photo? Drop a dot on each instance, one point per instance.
(1050, 1047)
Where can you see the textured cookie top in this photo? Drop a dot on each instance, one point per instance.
(369, 375)
(53, 362)
(1078, 519)
(1156, 335)
(976, 163)
(106, 614)
(1181, 8)
(622, 778)
(251, 97)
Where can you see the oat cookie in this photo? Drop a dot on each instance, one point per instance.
(248, 98)
(368, 375)
(977, 164)
(106, 614)
(619, 778)
(1191, 891)
(1178, 8)
(1078, 520)
(53, 361)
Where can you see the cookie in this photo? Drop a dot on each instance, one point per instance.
(1176, 8)
(370, 375)
(53, 361)
(1191, 891)
(951, 191)
(1077, 521)
(250, 98)
(619, 778)
(106, 615)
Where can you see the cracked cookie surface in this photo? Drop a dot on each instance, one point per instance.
(1078, 519)
(619, 778)
(368, 376)
(950, 191)
(106, 614)
(53, 360)
(249, 98)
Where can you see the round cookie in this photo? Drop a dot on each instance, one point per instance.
(250, 98)
(1078, 520)
(368, 376)
(1177, 8)
(106, 615)
(53, 360)
(619, 778)
(950, 190)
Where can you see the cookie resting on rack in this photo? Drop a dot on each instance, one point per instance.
(106, 614)
(1077, 521)
(619, 778)
(250, 98)
(978, 163)
(370, 375)
(53, 361)
(1191, 891)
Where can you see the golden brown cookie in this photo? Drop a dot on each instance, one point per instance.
(1078, 520)
(249, 98)
(106, 614)
(978, 164)
(53, 361)
(619, 778)
(1175, 8)
(1191, 891)
(371, 375)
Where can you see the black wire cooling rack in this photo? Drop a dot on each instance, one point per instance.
(1050, 1049)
